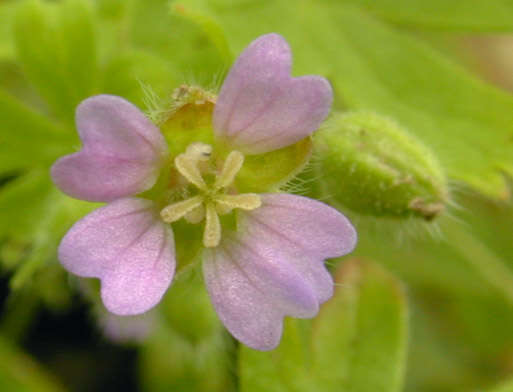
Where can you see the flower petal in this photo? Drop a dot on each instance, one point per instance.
(261, 107)
(244, 310)
(303, 225)
(121, 155)
(269, 271)
(128, 248)
(304, 231)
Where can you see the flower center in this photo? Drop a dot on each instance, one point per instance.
(212, 199)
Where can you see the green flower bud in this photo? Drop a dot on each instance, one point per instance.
(371, 165)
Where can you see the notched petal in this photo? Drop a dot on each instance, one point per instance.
(261, 107)
(303, 225)
(128, 248)
(302, 232)
(121, 155)
(244, 310)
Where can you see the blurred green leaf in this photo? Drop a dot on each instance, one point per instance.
(360, 336)
(76, 29)
(18, 372)
(28, 138)
(288, 368)
(212, 30)
(131, 72)
(193, 46)
(372, 66)
(459, 283)
(357, 343)
(60, 212)
(56, 46)
(35, 216)
(505, 387)
(187, 303)
(24, 204)
(7, 10)
(170, 363)
(190, 350)
(459, 15)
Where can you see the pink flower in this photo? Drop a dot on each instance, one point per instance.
(270, 266)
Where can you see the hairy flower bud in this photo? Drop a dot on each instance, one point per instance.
(373, 166)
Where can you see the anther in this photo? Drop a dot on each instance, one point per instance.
(245, 201)
(175, 211)
(188, 167)
(231, 167)
(199, 151)
(212, 233)
(195, 216)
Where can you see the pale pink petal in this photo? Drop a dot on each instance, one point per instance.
(128, 248)
(246, 311)
(269, 271)
(304, 231)
(261, 107)
(303, 225)
(121, 155)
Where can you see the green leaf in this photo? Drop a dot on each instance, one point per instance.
(134, 72)
(76, 29)
(18, 372)
(193, 45)
(459, 279)
(504, 387)
(28, 138)
(360, 336)
(7, 10)
(60, 212)
(460, 15)
(190, 350)
(56, 46)
(288, 368)
(212, 30)
(22, 209)
(357, 343)
(33, 218)
(375, 67)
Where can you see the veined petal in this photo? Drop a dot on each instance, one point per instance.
(244, 310)
(261, 107)
(121, 155)
(128, 248)
(269, 271)
(303, 225)
(302, 231)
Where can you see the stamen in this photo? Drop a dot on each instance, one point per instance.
(196, 215)
(223, 209)
(188, 168)
(245, 201)
(231, 167)
(175, 211)
(199, 151)
(212, 233)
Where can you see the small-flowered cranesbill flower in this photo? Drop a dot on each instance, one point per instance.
(268, 264)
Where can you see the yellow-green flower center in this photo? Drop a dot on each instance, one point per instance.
(212, 199)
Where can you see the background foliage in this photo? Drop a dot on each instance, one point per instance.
(419, 307)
